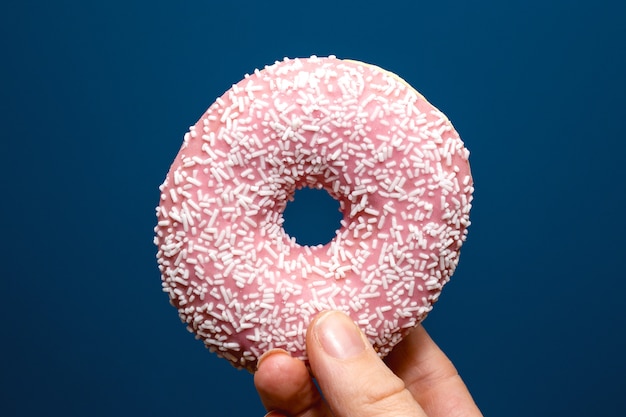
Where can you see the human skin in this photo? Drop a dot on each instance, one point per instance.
(415, 379)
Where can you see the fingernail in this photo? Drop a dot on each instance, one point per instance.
(338, 335)
(275, 413)
(270, 353)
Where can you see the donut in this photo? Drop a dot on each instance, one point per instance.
(393, 161)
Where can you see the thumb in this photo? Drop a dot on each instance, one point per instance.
(353, 379)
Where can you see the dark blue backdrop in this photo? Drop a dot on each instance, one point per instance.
(95, 99)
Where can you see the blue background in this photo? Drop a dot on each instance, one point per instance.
(96, 97)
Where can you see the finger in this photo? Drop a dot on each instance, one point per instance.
(354, 380)
(431, 377)
(284, 385)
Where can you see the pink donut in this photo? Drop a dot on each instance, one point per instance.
(393, 161)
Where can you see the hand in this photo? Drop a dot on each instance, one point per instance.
(416, 378)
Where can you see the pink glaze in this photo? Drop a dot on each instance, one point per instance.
(394, 162)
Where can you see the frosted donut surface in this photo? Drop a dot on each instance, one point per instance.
(395, 164)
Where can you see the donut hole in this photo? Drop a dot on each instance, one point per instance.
(312, 217)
